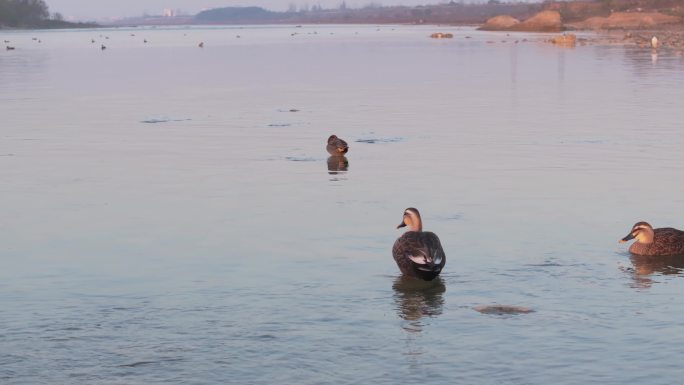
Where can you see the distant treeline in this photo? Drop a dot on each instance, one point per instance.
(33, 14)
(17, 13)
(451, 12)
(236, 14)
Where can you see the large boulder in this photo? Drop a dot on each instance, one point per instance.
(500, 23)
(544, 21)
(627, 20)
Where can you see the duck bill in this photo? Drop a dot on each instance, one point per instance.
(629, 237)
(402, 224)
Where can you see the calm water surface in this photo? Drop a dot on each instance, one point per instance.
(166, 217)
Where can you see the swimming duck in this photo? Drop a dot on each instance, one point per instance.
(201, 44)
(9, 48)
(336, 146)
(103, 47)
(654, 242)
(418, 253)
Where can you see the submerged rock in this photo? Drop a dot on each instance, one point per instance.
(440, 35)
(502, 309)
(568, 40)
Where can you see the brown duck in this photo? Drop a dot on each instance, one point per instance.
(654, 242)
(336, 146)
(418, 253)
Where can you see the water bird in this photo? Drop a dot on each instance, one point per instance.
(336, 146)
(654, 42)
(655, 242)
(10, 48)
(92, 41)
(201, 44)
(145, 41)
(418, 253)
(103, 47)
(7, 41)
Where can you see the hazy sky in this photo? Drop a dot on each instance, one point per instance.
(100, 9)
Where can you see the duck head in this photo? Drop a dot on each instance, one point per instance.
(340, 145)
(641, 231)
(411, 220)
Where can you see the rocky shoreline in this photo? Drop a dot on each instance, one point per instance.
(625, 28)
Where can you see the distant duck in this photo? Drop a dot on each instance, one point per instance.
(103, 47)
(336, 146)
(10, 48)
(655, 242)
(92, 41)
(654, 42)
(201, 44)
(418, 253)
(7, 41)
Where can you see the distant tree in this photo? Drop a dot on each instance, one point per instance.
(22, 12)
(57, 16)
(343, 5)
(292, 8)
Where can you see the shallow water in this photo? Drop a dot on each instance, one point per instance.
(166, 217)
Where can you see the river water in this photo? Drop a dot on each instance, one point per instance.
(169, 213)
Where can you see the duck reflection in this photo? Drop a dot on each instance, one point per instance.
(416, 299)
(646, 266)
(337, 165)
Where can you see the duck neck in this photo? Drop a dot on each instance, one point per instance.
(416, 225)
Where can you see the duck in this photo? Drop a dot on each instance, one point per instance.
(9, 48)
(103, 47)
(654, 42)
(418, 253)
(201, 44)
(336, 146)
(655, 242)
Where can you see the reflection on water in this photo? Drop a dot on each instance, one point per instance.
(646, 266)
(337, 165)
(416, 299)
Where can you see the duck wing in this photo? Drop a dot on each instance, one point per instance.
(668, 241)
(416, 252)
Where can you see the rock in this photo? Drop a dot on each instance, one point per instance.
(545, 21)
(627, 20)
(568, 40)
(500, 23)
(440, 35)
